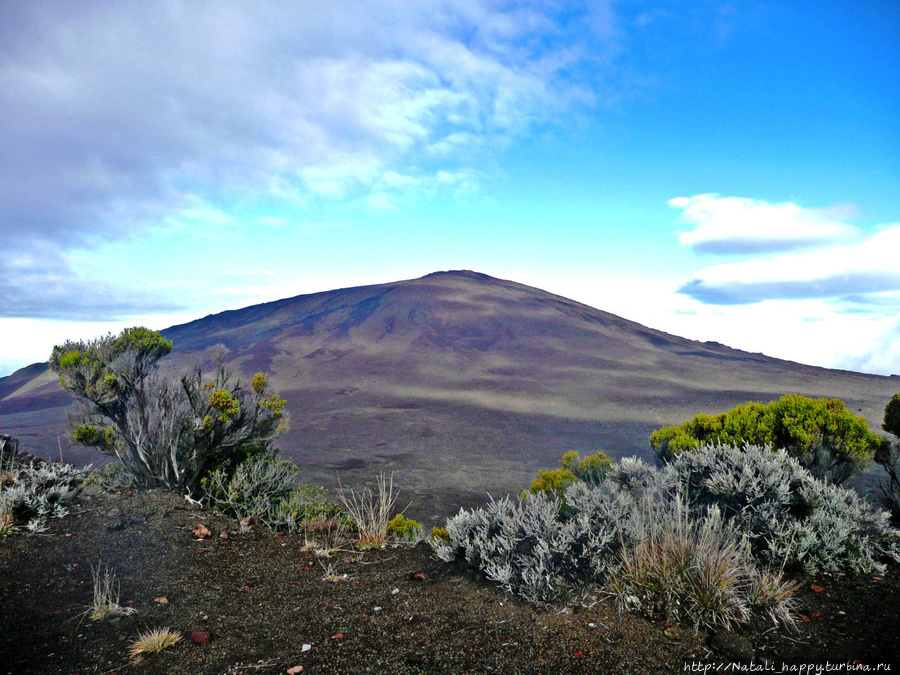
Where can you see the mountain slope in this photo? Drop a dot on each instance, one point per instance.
(462, 383)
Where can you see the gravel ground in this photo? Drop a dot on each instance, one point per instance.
(267, 607)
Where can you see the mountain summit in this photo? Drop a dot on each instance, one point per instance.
(461, 383)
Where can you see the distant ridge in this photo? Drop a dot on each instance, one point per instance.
(460, 382)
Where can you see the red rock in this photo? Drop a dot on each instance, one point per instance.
(202, 532)
(201, 637)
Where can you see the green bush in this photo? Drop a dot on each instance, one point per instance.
(404, 529)
(889, 458)
(164, 432)
(590, 470)
(821, 434)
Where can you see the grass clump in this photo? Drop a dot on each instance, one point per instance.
(153, 641)
(697, 569)
(106, 596)
(371, 511)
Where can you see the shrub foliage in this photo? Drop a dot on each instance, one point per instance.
(889, 458)
(165, 432)
(821, 434)
(705, 537)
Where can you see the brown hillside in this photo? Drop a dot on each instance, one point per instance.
(461, 384)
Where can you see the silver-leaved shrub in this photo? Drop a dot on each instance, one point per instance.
(706, 537)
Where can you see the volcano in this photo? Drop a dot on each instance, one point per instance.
(459, 383)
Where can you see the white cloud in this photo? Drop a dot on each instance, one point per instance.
(779, 301)
(140, 101)
(729, 225)
(118, 117)
(852, 270)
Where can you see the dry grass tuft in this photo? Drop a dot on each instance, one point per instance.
(106, 595)
(371, 511)
(153, 641)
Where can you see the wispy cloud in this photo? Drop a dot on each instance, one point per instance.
(804, 266)
(42, 285)
(735, 225)
(853, 272)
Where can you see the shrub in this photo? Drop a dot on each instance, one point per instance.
(165, 433)
(533, 548)
(889, 458)
(33, 492)
(793, 519)
(698, 537)
(821, 434)
(404, 529)
(591, 470)
(255, 488)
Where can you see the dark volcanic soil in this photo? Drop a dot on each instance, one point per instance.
(262, 597)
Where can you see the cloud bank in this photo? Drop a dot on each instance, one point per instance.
(811, 260)
(117, 115)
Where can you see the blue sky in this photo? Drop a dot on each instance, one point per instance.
(724, 171)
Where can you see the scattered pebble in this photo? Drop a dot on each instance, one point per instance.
(162, 600)
(202, 532)
(201, 637)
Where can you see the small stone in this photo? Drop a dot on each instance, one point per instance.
(296, 670)
(223, 536)
(395, 591)
(305, 648)
(202, 532)
(162, 600)
(418, 576)
(201, 637)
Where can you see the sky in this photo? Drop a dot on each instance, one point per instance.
(723, 171)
